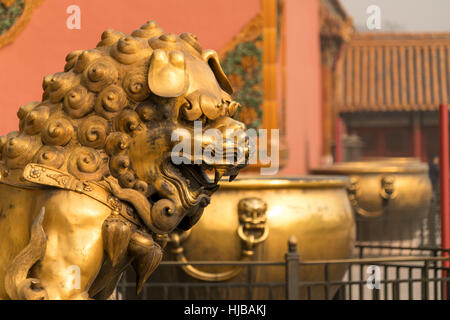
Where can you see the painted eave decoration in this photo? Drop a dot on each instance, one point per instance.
(242, 62)
(14, 16)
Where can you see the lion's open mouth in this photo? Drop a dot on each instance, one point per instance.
(205, 176)
(196, 176)
(193, 181)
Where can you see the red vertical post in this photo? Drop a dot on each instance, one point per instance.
(338, 139)
(444, 181)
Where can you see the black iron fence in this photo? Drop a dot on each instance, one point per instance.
(401, 273)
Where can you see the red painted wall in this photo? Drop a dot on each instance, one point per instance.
(41, 48)
(304, 116)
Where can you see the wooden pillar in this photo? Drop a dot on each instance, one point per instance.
(327, 115)
(339, 133)
(444, 182)
(417, 135)
(381, 142)
(269, 82)
(269, 11)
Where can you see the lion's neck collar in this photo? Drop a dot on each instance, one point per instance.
(37, 175)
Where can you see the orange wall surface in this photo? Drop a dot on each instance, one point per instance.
(42, 46)
(303, 92)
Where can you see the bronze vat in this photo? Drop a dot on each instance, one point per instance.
(252, 219)
(390, 196)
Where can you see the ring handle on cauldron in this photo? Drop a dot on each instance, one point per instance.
(253, 230)
(387, 192)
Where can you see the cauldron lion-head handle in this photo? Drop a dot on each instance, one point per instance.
(387, 192)
(252, 230)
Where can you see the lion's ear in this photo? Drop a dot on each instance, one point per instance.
(167, 75)
(210, 57)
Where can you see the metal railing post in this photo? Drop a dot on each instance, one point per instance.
(292, 258)
(424, 285)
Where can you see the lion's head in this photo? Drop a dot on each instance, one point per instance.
(113, 112)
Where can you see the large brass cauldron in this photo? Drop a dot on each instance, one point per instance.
(390, 196)
(252, 219)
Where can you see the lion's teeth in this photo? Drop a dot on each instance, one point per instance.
(218, 175)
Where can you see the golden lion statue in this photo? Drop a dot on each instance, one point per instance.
(88, 185)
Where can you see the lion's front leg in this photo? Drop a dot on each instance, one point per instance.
(74, 252)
